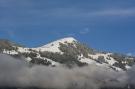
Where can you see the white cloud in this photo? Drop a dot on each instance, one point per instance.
(85, 31)
(115, 12)
(80, 13)
(129, 54)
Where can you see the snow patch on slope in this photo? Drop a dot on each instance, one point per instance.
(12, 52)
(23, 50)
(53, 63)
(87, 60)
(108, 59)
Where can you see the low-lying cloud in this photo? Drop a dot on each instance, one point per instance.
(17, 73)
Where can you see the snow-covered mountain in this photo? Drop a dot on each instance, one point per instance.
(67, 51)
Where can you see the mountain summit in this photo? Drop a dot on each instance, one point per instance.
(68, 51)
(54, 46)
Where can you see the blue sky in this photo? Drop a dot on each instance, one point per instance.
(102, 24)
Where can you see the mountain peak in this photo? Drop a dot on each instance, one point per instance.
(69, 39)
(66, 39)
(54, 46)
(62, 40)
